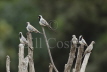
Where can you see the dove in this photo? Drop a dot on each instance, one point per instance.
(43, 22)
(22, 39)
(74, 41)
(89, 48)
(82, 41)
(30, 28)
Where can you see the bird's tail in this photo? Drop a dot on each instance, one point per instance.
(86, 45)
(40, 32)
(51, 28)
(28, 45)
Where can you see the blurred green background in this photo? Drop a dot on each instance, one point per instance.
(79, 17)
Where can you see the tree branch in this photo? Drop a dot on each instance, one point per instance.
(73, 70)
(87, 55)
(79, 58)
(30, 52)
(7, 63)
(70, 59)
(85, 61)
(49, 49)
(50, 67)
(23, 62)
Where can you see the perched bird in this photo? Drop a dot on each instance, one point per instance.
(74, 40)
(43, 22)
(30, 28)
(82, 41)
(89, 48)
(22, 39)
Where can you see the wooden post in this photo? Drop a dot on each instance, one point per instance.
(21, 56)
(79, 58)
(70, 59)
(30, 52)
(7, 63)
(85, 61)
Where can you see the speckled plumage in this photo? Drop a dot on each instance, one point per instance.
(30, 28)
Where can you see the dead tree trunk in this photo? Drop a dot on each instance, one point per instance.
(7, 63)
(23, 62)
(85, 61)
(70, 59)
(21, 56)
(30, 52)
(79, 58)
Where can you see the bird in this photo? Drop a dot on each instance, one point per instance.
(89, 48)
(82, 41)
(43, 22)
(74, 41)
(22, 39)
(30, 28)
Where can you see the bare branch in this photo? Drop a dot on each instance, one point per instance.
(7, 63)
(48, 48)
(85, 61)
(79, 58)
(30, 52)
(87, 55)
(50, 67)
(70, 59)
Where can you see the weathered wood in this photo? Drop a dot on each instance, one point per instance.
(87, 55)
(21, 56)
(7, 63)
(70, 59)
(79, 58)
(25, 64)
(50, 67)
(30, 52)
(85, 61)
(48, 48)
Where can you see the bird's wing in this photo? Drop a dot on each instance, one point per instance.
(30, 27)
(33, 28)
(43, 21)
(24, 39)
(84, 41)
(72, 39)
(77, 40)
